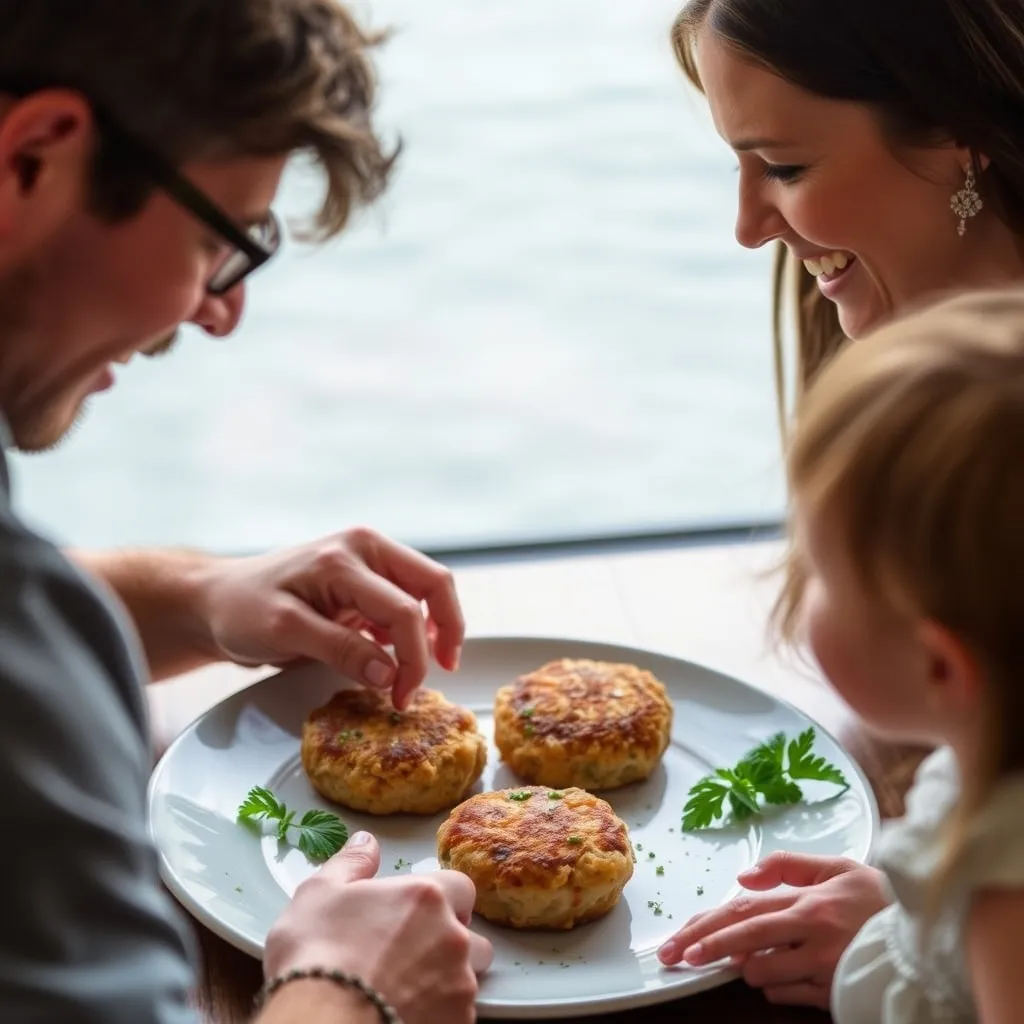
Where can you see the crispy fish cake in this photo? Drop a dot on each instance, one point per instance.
(540, 858)
(359, 752)
(591, 724)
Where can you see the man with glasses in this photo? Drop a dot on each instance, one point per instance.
(141, 147)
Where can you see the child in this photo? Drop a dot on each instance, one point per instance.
(906, 578)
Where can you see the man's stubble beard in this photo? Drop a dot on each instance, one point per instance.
(54, 423)
(39, 419)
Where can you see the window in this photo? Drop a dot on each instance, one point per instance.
(545, 330)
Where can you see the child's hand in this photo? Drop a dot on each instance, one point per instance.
(788, 943)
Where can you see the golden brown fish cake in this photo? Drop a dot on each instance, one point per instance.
(540, 858)
(592, 724)
(359, 752)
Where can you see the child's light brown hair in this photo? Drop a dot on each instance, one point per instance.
(911, 445)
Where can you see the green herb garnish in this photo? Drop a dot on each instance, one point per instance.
(700, 890)
(395, 717)
(321, 834)
(655, 906)
(554, 796)
(574, 841)
(520, 795)
(527, 713)
(660, 870)
(768, 771)
(349, 734)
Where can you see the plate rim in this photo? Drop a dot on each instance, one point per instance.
(505, 1009)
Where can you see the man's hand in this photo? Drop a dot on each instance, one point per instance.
(338, 601)
(407, 937)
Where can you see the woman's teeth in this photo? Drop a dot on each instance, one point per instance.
(828, 264)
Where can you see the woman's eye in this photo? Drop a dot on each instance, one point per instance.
(782, 172)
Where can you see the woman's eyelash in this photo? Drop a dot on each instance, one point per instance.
(782, 172)
(777, 172)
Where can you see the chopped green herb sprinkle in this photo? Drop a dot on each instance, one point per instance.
(520, 795)
(660, 870)
(700, 890)
(650, 856)
(526, 713)
(639, 846)
(554, 796)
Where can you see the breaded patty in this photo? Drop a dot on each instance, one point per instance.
(540, 858)
(361, 753)
(591, 724)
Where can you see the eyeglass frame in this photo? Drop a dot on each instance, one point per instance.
(166, 176)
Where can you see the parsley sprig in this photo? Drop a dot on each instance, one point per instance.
(769, 771)
(321, 834)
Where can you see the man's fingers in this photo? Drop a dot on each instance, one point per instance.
(459, 891)
(390, 608)
(304, 632)
(358, 859)
(460, 894)
(711, 922)
(481, 953)
(427, 581)
(390, 612)
(796, 869)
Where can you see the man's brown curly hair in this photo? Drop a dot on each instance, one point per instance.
(210, 79)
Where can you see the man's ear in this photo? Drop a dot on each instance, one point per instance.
(954, 679)
(47, 141)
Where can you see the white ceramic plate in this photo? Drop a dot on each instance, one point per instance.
(236, 883)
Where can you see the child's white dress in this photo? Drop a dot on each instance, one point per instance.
(883, 977)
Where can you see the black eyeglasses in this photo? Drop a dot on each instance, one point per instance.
(250, 247)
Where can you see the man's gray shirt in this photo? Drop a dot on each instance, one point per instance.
(86, 932)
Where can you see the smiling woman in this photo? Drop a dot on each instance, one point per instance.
(879, 146)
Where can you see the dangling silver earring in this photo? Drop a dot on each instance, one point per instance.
(966, 203)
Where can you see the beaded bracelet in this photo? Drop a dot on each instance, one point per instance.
(387, 1014)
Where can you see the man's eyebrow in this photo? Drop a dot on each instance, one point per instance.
(761, 142)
